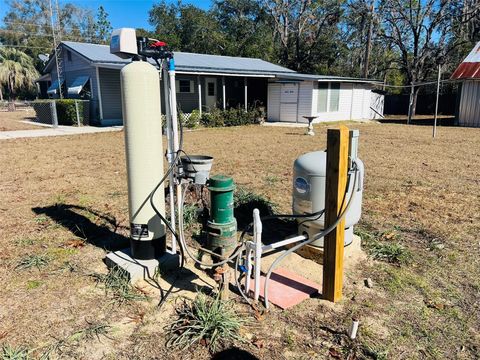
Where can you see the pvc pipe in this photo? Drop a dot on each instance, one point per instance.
(248, 265)
(257, 231)
(352, 332)
(173, 104)
(170, 155)
(284, 242)
(306, 242)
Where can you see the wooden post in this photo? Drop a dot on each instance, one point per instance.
(336, 183)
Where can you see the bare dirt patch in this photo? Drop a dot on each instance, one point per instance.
(56, 192)
(12, 120)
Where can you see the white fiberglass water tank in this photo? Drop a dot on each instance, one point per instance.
(309, 177)
(144, 154)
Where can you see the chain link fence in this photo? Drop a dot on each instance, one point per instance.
(71, 112)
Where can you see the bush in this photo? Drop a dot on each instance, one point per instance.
(230, 117)
(192, 121)
(66, 111)
(214, 118)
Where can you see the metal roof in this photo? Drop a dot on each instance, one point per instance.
(202, 64)
(184, 62)
(320, 78)
(470, 67)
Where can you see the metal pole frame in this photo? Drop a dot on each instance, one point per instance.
(436, 101)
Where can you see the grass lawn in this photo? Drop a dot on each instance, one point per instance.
(13, 120)
(62, 197)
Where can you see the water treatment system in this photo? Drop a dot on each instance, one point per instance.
(151, 187)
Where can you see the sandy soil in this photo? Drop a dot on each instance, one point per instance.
(55, 191)
(13, 120)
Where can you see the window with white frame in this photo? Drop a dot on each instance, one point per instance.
(328, 97)
(184, 86)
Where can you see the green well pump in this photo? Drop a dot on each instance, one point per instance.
(221, 225)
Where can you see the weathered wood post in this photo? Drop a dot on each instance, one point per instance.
(335, 203)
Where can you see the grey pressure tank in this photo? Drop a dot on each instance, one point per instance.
(309, 177)
(140, 86)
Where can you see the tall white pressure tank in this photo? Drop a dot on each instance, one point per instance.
(144, 153)
(309, 177)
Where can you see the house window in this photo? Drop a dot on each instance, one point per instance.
(69, 55)
(334, 96)
(322, 97)
(328, 97)
(185, 86)
(211, 89)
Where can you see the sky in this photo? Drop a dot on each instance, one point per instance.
(122, 13)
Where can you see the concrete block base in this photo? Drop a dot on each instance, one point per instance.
(141, 269)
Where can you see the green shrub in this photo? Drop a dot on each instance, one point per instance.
(214, 118)
(230, 117)
(193, 120)
(66, 111)
(244, 203)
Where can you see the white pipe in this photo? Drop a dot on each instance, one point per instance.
(284, 242)
(174, 125)
(170, 155)
(248, 266)
(257, 231)
(352, 332)
(173, 105)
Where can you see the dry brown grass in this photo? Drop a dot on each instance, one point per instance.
(10, 121)
(426, 192)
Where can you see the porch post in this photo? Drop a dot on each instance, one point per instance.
(199, 96)
(223, 90)
(99, 94)
(246, 93)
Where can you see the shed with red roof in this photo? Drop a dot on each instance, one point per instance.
(468, 72)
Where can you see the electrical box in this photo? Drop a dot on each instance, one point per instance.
(124, 43)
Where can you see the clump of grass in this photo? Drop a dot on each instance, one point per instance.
(384, 246)
(92, 330)
(393, 253)
(190, 215)
(206, 320)
(244, 203)
(34, 260)
(14, 353)
(33, 284)
(118, 284)
(271, 180)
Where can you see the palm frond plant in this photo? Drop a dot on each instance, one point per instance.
(17, 72)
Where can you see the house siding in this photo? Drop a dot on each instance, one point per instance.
(354, 103)
(273, 102)
(469, 109)
(111, 96)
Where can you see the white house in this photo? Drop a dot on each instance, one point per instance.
(205, 81)
(329, 98)
(468, 72)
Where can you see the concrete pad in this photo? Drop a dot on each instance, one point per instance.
(140, 269)
(58, 131)
(287, 289)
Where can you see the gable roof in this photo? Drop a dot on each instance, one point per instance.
(470, 67)
(202, 64)
(184, 62)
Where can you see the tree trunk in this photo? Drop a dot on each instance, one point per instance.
(415, 97)
(368, 48)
